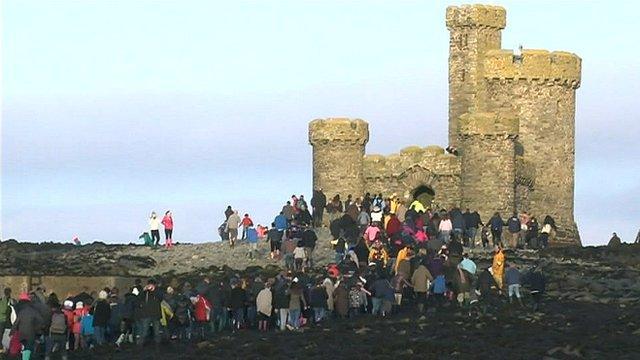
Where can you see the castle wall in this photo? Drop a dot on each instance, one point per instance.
(338, 151)
(473, 29)
(540, 89)
(64, 285)
(487, 142)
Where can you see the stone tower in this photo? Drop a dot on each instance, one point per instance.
(473, 31)
(540, 88)
(488, 171)
(338, 155)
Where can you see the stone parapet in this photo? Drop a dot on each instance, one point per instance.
(344, 130)
(558, 67)
(489, 123)
(476, 16)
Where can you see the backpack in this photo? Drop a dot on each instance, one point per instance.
(58, 323)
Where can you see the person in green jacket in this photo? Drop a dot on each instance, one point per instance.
(5, 313)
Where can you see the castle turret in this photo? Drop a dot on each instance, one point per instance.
(473, 29)
(487, 146)
(539, 87)
(338, 154)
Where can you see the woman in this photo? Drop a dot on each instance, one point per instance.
(445, 228)
(167, 221)
(154, 226)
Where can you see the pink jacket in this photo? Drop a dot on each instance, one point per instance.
(167, 221)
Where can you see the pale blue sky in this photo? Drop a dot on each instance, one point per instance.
(112, 109)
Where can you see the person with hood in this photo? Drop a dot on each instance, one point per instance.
(58, 331)
(228, 212)
(28, 324)
(264, 306)
(78, 314)
(498, 266)
(318, 203)
(149, 312)
(154, 227)
(167, 221)
(514, 227)
(201, 314)
(101, 316)
(496, 224)
(233, 222)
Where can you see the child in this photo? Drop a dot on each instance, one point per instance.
(299, 256)
(252, 239)
(357, 299)
(87, 329)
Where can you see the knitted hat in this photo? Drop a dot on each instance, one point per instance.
(102, 295)
(24, 297)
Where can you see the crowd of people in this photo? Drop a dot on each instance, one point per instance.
(389, 258)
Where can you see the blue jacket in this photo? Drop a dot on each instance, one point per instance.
(281, 222)
(514, 224)
(252, 235)
(497, 223)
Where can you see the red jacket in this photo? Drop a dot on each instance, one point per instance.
(394, 226)
(202, 309)
(167, 221)
(246, 221)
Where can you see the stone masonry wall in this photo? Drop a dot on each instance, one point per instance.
(540, 89)
(487, 142)
(338, 152)
(473, 30)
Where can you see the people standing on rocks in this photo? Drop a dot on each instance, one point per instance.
(154, 227)
(318, 203)
(252, 240)
(233, 222)
(246, 223)
(149, 313)
(167, 221)
(537, 285)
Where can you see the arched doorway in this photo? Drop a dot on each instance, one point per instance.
(424, 194)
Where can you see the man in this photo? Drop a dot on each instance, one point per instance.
(309, 239)
(318, 203)
(233, 222)
(421, 281)
(513, 283)
(275, 240)
(289, 211)
(149, 312)
(513, 224)
(252, 239)
(28, 324)
(228, 212)
(496, 223)
(537, 282)
(498, 266)
(457, 222)
(614, 241)
(472, 222)
(246, 223)
(5, 312)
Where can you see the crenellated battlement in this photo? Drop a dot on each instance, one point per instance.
(345, 130)
(476, 16)
(558, 67)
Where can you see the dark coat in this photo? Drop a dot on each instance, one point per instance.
(101, 313)
(341, 300)
(318, 297)
(238, 298)
(29, 321)
(149, 305)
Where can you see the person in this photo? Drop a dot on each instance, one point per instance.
(78, 314)
(299, 256)
(421, 282)
(288, 247)
(371, 233)
(514, 227)
(154, 227)
(512, 278)
(468, 265)
(274, 236)
(383, 296)
(167, 221)
(297, 302)
(484, 236)
(496, 223)
(201, 314)
(417, 206)
(498, 266)
(101, 315)
(318, 301)
(281, 223)
(6, 303)
(149, 312)
(309, 239)
(228, 212)
(264, 306)
(376, 215)
(252, 239)
(445, 228)
(341, 300)
(472, 222)
(614, 241)
(531, 238)
(58, 332)
(335, 208)
(318, 203)
(363, 220)
(457, 222)
(237, 301)
(378, 255)
(288, 211)
(27, 324)
(233, 222)
(246, 223)
(536, 281)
